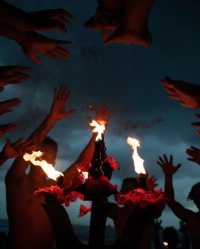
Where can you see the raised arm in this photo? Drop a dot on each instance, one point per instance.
(56, 114)
(35, 45)
(169, 169)
(86, 156)
(82, 163)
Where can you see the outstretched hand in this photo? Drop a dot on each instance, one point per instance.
(13, 75)
(58, 110)
(6, 106)
(36, 45)
(46, 20)
(194, 154)
(167, 165)
(186, 93)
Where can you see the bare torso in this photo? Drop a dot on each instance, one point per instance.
(29, 225)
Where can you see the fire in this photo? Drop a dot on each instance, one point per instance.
(48, 169)
(165, 244)
(99, 128)
(84, 174)
(138, 161)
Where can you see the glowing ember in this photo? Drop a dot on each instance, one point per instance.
(165, 244)
(84, 174)
(138, 161)
(99, 128)
(48, 169)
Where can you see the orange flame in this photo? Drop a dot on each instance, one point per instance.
(85, 174)
(48, 168)
(138, 161)
(99, 127)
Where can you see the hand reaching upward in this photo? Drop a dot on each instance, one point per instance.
(167, 165)
(36, 45)
(58, 109)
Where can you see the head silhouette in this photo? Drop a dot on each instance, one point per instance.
(194, 194)
(129, 184)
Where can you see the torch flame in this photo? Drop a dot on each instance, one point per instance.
(138, 161)
(84, 174)
(165, 244)
(99, 128)
(48, 169)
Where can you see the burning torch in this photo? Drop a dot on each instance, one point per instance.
(48, 169)
(138, 161)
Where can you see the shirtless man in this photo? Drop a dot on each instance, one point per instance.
(191, 218)
(29, 224)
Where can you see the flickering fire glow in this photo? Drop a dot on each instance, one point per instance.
(84, 174)
(48, 168)
(99, 127)
(165, 244)
(138, 161)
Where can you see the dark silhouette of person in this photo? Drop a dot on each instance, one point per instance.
(62, 227)
(132, 222)
(28, 222)
(184, 236)
(191, 218)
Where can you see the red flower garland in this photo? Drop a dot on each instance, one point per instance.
(141, 197)
(58, 193)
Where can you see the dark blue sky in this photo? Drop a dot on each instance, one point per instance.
(126, 78)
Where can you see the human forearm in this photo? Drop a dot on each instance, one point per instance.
(42, 131)
(80, 165)
(84, 158)
(169, 189)
(87, 154)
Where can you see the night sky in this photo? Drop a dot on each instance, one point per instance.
(127, 79)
